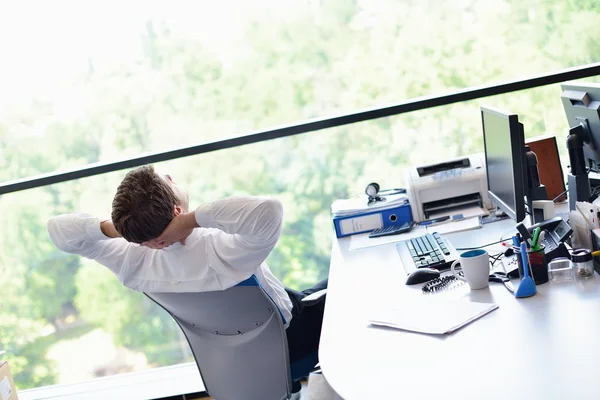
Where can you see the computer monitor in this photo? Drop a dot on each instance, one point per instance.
(582, 106)
(504, 145)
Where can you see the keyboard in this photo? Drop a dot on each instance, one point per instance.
(431, 250)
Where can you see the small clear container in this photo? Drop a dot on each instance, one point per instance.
(559, 270)
(582, 263)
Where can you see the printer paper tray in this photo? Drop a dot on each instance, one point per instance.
(468, 211)
(450, 204)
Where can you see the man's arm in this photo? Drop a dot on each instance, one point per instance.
(251, 227)
(108, 229)
(84, 235)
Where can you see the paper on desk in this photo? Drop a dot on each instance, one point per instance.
(363, 241)
(466, 211)
(456, 226)
(360, 204)
(431, 316)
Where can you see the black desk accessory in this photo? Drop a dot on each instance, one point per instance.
(391, 230)
(557, 233)
(442, 283)
(581, 102)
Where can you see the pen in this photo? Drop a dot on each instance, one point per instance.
(534, 241)
(515, 241)
(433, 220)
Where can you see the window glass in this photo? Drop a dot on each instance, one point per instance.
(99, 83)
(105, 81)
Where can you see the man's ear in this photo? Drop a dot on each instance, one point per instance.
(177, 210)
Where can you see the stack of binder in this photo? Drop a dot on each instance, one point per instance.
(357, 215)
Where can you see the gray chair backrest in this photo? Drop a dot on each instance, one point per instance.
(238, 339)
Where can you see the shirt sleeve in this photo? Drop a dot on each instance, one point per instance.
(80, 234)
(250, 227)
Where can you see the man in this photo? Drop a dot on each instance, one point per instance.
(155, 244)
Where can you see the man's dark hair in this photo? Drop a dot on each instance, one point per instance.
(143, 205)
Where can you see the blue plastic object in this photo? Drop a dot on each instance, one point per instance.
(527, 286)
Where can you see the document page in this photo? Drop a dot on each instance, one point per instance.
(431, 316)
(465, 211)
(456, 226)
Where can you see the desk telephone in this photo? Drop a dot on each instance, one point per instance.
(557, 232)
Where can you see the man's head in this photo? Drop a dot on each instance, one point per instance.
(145, 203)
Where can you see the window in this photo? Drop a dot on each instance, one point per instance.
(87, 83)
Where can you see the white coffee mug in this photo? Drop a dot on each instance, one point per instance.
(475, 265)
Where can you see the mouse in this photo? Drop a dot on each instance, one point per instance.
(422, 275)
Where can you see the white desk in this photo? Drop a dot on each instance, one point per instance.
(543, 347)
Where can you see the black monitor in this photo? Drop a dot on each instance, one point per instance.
(504, 145)
(582, 106)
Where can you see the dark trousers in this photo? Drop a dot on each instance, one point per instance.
(304, 332)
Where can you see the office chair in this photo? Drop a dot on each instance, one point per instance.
(238, 340)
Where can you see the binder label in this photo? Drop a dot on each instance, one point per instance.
(361, 224)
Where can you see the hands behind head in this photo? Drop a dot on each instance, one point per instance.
(178, 230)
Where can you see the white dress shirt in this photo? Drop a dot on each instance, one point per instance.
(235, 237)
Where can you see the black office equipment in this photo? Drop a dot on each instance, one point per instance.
(428, 251)
(504, 278)
(504, 145)
(534, 188)
(557, 231)
(422, 275)
(441, 283)
(582, 107)
(391, 230)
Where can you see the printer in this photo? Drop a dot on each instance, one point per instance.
(447, 186)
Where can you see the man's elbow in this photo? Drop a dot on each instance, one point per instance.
(53, 228)
(274, 208)
(273, 211)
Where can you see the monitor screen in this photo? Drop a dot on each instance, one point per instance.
(582, 106)
(504, 145)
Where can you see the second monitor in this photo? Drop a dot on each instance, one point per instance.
(582, 107)
(504, 145)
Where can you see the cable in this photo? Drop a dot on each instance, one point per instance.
(560, 195)
(594, 194)
(479, 247)
(496, 258)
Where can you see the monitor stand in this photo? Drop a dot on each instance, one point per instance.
(578, 181)
(535, 190)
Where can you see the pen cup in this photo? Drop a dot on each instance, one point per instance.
(538, 267)
(538, 264)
